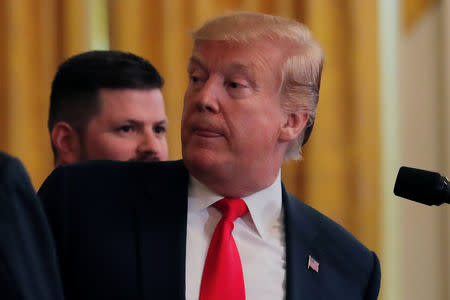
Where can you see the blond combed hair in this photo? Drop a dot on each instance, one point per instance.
(301, 71)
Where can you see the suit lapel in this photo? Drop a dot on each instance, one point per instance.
(161, 226)
(301, 282)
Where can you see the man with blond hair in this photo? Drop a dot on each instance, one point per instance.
(218, 224)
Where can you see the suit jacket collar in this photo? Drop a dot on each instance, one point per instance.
(301, 232)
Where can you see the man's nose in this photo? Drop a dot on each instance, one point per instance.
(149, 142)
(208, 98)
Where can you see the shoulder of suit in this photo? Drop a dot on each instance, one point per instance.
(10, 165)
(326, 228)
(6, 159)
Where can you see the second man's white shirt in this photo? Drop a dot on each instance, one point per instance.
(259, 237)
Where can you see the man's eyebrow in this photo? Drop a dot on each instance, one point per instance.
(133, 121)
(234, 66)
(195, 60)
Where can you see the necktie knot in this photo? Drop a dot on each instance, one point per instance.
(231, 208)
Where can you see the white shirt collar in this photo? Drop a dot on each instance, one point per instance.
(264, 206)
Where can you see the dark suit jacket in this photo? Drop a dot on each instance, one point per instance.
(120, 230)
(28, 263)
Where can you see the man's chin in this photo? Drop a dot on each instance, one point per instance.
(201, 161)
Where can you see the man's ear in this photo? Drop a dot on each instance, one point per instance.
(293, 126)
(66, 141)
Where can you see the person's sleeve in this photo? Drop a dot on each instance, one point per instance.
(375, 279)
(27, 252)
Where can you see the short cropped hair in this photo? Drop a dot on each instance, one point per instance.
(75, 88)
(301, 71)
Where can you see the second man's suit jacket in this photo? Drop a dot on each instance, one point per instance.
(120, 231)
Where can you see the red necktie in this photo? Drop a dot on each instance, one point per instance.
(222, 277)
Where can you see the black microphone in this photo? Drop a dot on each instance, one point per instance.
(422, 186)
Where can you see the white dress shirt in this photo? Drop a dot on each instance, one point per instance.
(259, 237)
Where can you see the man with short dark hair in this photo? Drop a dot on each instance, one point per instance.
(218, 224)
(107, 105)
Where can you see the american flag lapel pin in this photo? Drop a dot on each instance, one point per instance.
(313, 264)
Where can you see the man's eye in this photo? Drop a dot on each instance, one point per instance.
(235, 85)
(126, 128)
(160, 129)
(194, 79)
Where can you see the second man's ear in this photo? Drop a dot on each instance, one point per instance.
(293, 126)
(66, 141)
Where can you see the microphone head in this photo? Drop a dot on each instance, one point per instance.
(422, 186)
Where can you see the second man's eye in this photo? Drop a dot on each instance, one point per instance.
(126, 128)
(160, 129)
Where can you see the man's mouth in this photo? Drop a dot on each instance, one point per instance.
(206, 130)
(206, 133)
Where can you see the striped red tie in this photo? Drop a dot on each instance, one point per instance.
(222, 277)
